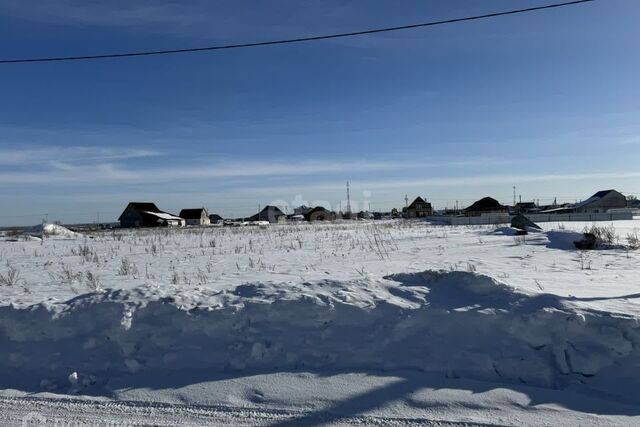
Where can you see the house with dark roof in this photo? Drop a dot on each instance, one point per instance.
(301, 210)
(146, 214)
(197, 216)
(215, 219)
(320, 213)
(419, 208)
(526, 207)
(602, 201)
(273, 214)
(484, 206)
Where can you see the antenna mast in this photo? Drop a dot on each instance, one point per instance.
(348, 199)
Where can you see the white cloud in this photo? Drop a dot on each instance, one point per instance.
(83, 165)
(53, 154)
(441, 182)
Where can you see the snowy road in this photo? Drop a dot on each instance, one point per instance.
(305, 399)
(42, 411)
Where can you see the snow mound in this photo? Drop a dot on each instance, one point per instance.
(49, 230)
(456, 323)
(563, 239)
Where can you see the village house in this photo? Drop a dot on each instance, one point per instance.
(197, 216)
(301, 210)
(273, 214)
(600, 202)
(484, 206)
(419, 208)
(526, 207)
(146, 214)
(320, 213)
(215, 219)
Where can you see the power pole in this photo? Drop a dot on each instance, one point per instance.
(514, 195)
(406, 201)
(348, 199)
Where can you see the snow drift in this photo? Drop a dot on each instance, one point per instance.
(49, 230)
(461, 324)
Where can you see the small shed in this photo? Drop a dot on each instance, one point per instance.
(197, 216)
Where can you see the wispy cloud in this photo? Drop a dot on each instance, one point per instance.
(59, 154)
(440, 182)
(90, 166)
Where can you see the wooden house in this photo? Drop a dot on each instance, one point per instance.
(419, 208)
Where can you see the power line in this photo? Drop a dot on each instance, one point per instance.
(286, 41)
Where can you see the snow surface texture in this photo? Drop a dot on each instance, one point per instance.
(461, 324)
(460, 302)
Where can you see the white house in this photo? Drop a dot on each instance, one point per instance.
(198, 216)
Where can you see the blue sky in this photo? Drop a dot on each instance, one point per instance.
(547, 101)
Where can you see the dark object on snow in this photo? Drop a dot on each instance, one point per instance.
(588, 242)
(521, 222)
(521, 232)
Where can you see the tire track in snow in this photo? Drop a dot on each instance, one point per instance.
(40, 411)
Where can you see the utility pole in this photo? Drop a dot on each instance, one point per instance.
(406, 201)
(514, 195)
(348, 200)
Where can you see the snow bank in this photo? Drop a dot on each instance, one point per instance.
(460, 324)
(49, 230)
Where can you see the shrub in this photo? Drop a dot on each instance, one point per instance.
(11, 277)
(605, 235)
(633, 239)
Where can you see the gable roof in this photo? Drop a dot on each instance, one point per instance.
(599, 195)
(163, 215)
(319, 209)
(140, 207)
(215, 217)
(268, 212)
(144, 206)
(419, 200)
(192, 213)
(485, 204)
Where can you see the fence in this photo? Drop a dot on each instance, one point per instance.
(471, 220)
(505, 218)
(603, 216)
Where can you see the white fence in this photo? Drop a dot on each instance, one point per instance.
(471, 220)
(603, 216)
(506, 219)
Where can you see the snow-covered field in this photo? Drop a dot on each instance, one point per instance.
(357, 322)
